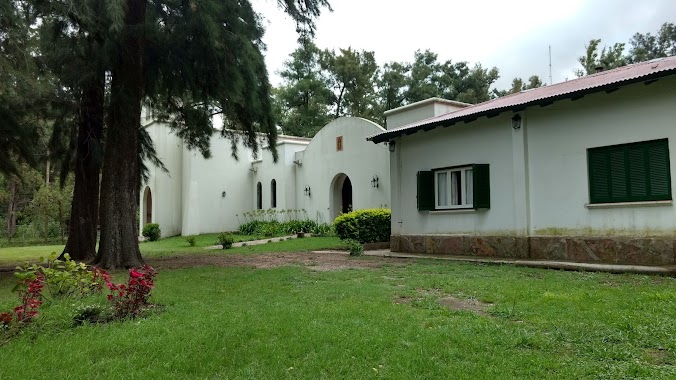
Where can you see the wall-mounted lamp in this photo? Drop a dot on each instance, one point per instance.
(516, 121)
(391, 146)
(374, 182)
(223, 194)
(307, 190)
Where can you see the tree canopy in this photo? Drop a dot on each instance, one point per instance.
(641, 47)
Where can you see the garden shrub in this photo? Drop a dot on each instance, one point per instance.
(190, 240)
(271, 223)
(30, 294)
(364, 226)
(355, 248)
(62, 278)
(129, 300)
(225, 240)
(151, 231)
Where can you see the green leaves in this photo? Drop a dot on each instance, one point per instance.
(365, 226)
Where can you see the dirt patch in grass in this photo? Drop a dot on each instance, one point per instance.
(658, 356)
(448, 301)
(314, 261)
(471, 304)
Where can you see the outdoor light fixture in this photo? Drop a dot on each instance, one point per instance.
(391, 146)
(374, 181)
(516, 121)
(307, 190)
(223, 194)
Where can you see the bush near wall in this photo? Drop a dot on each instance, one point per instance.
(151, 231)
(365, 226)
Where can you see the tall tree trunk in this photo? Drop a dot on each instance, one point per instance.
(11, 210)
(340, 100)
(118, 247)
(84, 214)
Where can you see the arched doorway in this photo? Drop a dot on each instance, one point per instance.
(147, 206)
(341, 195)
(346, 193)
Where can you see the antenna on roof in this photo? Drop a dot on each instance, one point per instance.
(550, 65)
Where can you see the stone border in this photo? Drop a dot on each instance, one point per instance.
(376, 246)
(610, 250)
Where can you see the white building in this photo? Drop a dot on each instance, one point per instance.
(335, 171)
(579, 170)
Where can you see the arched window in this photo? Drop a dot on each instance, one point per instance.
(273, 194)
(259, 196)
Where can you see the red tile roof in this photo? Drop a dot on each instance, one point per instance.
(576, 88)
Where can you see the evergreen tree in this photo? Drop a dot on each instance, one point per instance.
(193, 60)
(518, 85)
(352, 75)
(76, 49)
(302, 101)
(392, 84)
(21, 86)
(644, 47)
(609, 57)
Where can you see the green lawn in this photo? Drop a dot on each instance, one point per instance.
(294, 323)
(178, 245)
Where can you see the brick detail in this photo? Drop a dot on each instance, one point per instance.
(612, 250)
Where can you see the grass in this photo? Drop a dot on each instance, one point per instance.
(17, 255)
(178, 245)
(291, 322)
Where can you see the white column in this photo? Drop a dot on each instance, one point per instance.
(521, 180)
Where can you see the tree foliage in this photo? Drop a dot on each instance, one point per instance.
(303, 101)
(642, 47)
(351, 75)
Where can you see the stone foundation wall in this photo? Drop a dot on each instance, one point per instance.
(612, 250)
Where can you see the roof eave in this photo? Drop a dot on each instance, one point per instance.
(519, 107)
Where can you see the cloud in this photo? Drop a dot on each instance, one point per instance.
(511, 35)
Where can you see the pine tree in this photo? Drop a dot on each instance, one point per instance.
(302, 101)
(193, 60)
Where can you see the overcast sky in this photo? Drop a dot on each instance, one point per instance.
(512, 35)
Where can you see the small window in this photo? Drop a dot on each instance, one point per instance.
(459, 187)
(629, 172)
(339, 143)
(453, 188)
(259, 196)
(273, 194)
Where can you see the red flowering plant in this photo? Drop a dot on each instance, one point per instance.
(130, 299)
(30, 294)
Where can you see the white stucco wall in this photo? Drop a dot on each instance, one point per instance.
(538, 174)
(205, 210)
(421, 110)
(558, 138)
(283, 172)
(481, 142)
(189, 200)
(360, 160)
(165, 188)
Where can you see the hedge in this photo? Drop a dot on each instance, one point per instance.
(365, 226)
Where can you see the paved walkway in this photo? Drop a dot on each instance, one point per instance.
(257, 242)
(669, 270)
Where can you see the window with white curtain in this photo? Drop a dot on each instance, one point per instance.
(454, 188)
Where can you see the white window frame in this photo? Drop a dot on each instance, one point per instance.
(463, 188)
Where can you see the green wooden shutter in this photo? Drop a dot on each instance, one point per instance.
(659, 172)
(425, 190)
(630, 172)
(638, 165)
(618, 174)
(599, 176)
(481, 185)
